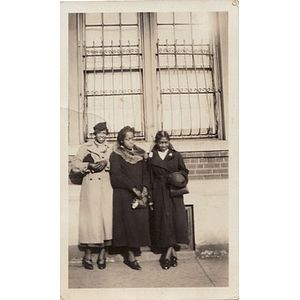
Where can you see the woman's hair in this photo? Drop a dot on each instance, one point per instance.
(160, 134)
(122, 133)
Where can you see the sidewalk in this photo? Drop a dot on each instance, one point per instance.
(190, 272)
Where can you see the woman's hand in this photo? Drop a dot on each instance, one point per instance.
(98, 167)
(137, 192)
(144, 192)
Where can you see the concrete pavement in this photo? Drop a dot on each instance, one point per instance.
(190, 272)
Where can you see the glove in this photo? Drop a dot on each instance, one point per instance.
(144, 192)
(93, 166)
(101, 165)
(137, 192)
(98, 167)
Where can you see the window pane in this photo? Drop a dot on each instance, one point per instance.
(166, 32)
(183, 33)
(181, 17)
(94, 19)
(163, 17)
(111, 35)
(111, 18)
(93, 34)
(129, 33)
(129, 18)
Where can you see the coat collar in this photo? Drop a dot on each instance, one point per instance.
(156, 160)
(97, 148)
(137, 154)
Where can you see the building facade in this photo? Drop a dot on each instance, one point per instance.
(153, 71)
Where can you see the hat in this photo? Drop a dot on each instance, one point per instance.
(177, 179)
(100, 126)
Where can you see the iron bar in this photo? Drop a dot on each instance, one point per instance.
(103, 78)
(188, 86)
(178, 82)
(94, 60)
(197, 87)
(160, 88)
(103, 65)
(207, 100)
(168, 65)
(131, 96)
(110, 25)
(141, 88)
(216, 103)
(113, 85)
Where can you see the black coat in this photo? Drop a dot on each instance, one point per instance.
(169, 213)
(130, 226)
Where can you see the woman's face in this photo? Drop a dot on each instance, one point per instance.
(128, 140)
(100, 136)
(163, 144)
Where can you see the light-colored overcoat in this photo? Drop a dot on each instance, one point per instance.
(95, 211)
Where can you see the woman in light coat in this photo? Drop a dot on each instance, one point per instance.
(95, 212)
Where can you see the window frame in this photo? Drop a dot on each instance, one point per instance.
(151, 95)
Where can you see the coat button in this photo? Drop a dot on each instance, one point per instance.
(99, 178)
(91, 179)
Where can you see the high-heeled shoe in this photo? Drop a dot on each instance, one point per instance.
(165, 264)
(174, 262)
(133, 264)
(87, 263)
(101, 263)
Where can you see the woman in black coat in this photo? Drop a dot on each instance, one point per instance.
(130, 179)
(169, 212)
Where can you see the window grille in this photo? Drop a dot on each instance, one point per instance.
(185, 75)
(113, 72)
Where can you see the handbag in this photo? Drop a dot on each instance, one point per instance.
(139, 203)
(77, 177)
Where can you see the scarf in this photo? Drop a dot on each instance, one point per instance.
(131, 156)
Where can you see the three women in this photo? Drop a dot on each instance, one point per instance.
(130, 179)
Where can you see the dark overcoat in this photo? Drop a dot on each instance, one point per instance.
(130, 226)
(169, 213)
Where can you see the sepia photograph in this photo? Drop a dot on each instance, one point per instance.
(149, 125)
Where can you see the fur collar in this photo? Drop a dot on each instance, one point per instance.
(131, 156)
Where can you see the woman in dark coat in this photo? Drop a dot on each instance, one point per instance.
(169, 213)
(130, 179)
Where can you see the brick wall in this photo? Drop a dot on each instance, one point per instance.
(201, 164)
(206, 164)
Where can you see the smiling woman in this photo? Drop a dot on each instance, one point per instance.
(95, 212)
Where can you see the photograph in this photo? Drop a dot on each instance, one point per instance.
(149, 150)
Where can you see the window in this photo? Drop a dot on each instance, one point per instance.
(151, 71)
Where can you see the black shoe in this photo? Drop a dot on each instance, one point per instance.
(101, 265)
(133, 264)
(174, 261)
(165, 264)
(87, 264)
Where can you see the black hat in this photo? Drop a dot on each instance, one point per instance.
(177, 179)
(100, 126)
